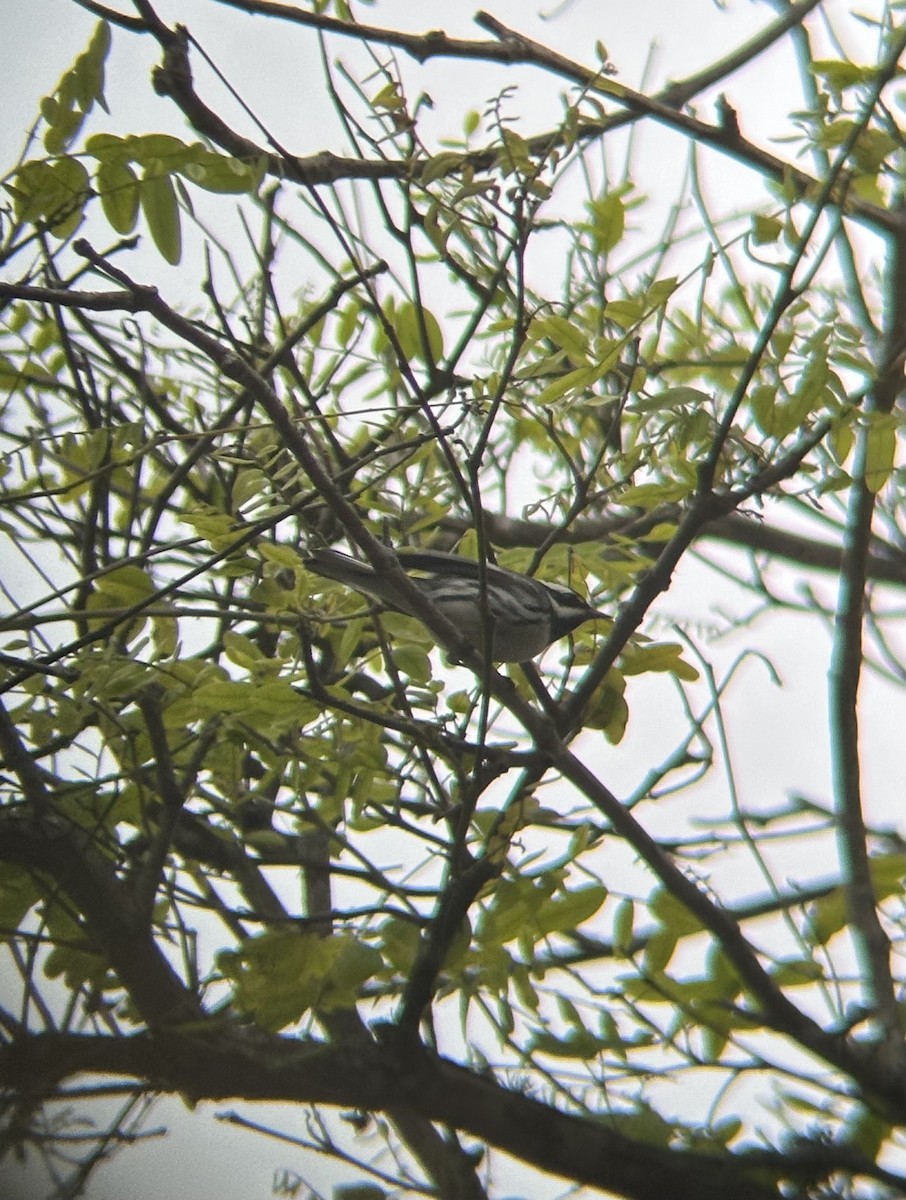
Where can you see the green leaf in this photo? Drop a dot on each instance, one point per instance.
(119, 189)
(578, 381)
(564, 334)
(567, 912)
(242, 650)
(657, 987)
(887, 872)
(359, 1191)
(714, 1042)
(161, 210)
(827, 916)
(53, 192)
(389, 98)
(644, 1126)
(762, 400)
(839, 75)
(650, 495)
(412, 325)
(440, 165)
(672, 399)
(27, 187)
(766, 230)
(659, 950)
(835, 133)
(88, 68)
(272, 703)
(283, 556)
(657, 657)
(282, 974)
(165, 633)
(221, 173)
(726, 1129)
(666, 909)
(514, 154)
(623, 920)
(149, 149)
(578, 1044)
(880, 449)
(73, 188)
(79, 89)
(607, 710)
(796, 972)
(778, 417)
(660, 291)
(842, 439)
(866, 1132)
(873, 147)
(123, 587)
(412, 661)
(609, 1033)
(348, 322)
(71, 957)
(511, 912)
(18, 893)
(568, 1011)
(608, 222)
(625, 313)
(106, 145)
(867, 188)
(63, 132)
(400, 942)
(75, 966)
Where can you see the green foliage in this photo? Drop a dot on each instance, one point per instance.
(880, 449)
(131, 173)
(53, 193)
(280, 976)
(81, 87)
(316, 823)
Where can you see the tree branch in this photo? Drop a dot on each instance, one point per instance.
(174, 80)
(871, 939)
(67, 854)
(377, 1076)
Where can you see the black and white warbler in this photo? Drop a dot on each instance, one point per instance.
(526, 615)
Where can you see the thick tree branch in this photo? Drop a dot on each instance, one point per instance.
(869, 934)
(51, 845)
(174, 80)
(537, 725)
(377, 1076)
(885, 564)
(724, 137)
(844, 676)
(683, 90)
(875, 1075)
(437, 44)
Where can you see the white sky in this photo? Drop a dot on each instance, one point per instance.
(278, 71)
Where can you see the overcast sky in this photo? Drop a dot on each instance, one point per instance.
(202, 1158)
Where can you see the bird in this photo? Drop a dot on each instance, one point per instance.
(525, 614)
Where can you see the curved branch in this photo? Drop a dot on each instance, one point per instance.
(376, 1077)
(869, 935)
(174, 80)
(52, 846)
(740, 530)
(725, 136)
(875, 1076)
